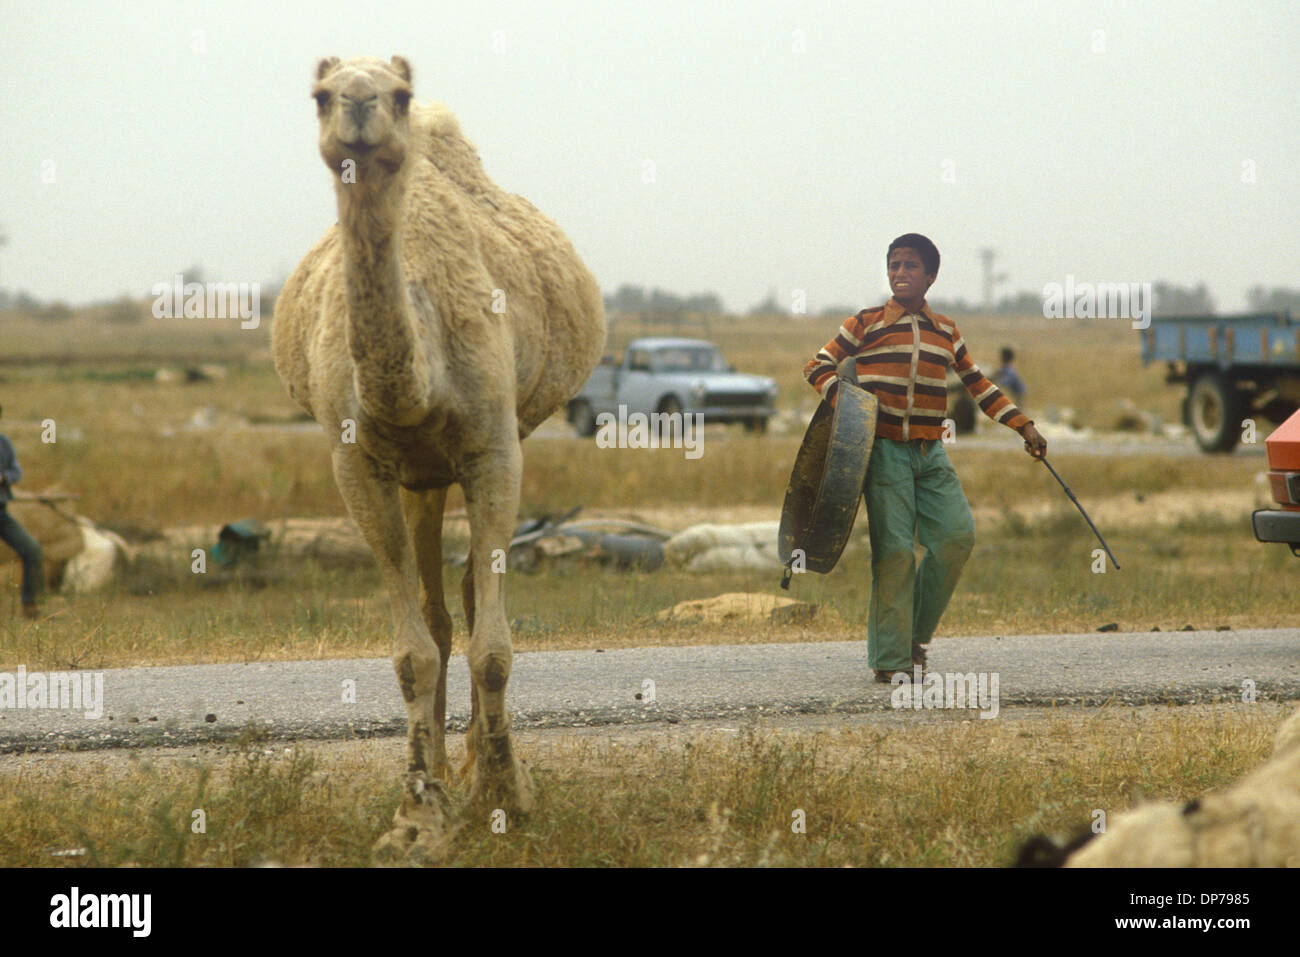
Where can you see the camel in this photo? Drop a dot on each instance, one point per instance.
(430, 330)
(1254, 823)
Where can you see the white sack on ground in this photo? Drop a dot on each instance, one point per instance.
(713, 548)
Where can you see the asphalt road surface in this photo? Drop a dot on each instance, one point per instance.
(149, 707)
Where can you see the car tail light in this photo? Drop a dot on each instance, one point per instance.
(1286, 487)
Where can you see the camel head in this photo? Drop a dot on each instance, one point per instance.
(363, 105)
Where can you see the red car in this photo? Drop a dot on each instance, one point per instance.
(1282, 525)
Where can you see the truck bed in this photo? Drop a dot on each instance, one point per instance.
(1260, 339)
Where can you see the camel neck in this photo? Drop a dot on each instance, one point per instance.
(392, 356)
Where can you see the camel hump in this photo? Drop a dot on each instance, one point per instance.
(444, 144)
(436, 117)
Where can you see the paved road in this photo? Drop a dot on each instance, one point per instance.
(170, 706)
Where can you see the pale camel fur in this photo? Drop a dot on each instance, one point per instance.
(1255, 823)
(433, 327)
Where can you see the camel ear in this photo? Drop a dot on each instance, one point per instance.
(402, 67)
(325, 65)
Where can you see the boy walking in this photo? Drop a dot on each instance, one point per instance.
(902, 351)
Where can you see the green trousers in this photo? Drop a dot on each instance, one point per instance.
(912, 495)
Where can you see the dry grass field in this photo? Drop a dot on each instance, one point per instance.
(146, 454)
(872, 792)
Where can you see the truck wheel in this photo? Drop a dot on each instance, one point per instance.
(756, 423)
(1278, 410)
(670, 404)
(961, 409)
(1214, 410)
(583, 419)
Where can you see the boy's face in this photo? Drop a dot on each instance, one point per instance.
(908, 279)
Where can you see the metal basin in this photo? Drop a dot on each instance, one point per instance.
(821, 501)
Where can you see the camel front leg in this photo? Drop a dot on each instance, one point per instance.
(492, 497)
(423, 818)
(423, 511)
(467, 599)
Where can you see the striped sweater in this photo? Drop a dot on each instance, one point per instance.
(903, 359)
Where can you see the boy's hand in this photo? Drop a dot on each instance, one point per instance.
(1035, 444)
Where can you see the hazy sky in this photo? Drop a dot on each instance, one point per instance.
(790, 142)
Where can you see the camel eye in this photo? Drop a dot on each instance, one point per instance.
(403, 99)
(322, 99)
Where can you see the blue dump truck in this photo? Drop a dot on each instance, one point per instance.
(1235, 367)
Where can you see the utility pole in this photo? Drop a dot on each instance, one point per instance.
(991, 279)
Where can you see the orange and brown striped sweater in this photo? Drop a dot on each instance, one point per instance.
(903, 359)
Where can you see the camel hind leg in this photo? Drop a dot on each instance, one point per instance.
(491, 486)
(421, 826)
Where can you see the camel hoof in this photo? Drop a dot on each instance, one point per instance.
(510, 788)
(422, 830)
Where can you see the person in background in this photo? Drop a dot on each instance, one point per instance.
(17, 537)
(1008, 379)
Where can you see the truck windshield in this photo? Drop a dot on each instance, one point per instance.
(689, 360)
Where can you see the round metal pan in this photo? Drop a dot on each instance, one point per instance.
(821, 501)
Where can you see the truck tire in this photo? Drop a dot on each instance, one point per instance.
(961, 409)
(669, 404)
(1278, 410)
(756, 423)
(1214, 411)
(583, 418)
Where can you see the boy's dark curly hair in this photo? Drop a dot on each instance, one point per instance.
(928, 250)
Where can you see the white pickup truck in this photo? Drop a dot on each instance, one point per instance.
(674, 375)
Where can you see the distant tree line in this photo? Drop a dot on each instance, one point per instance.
(1175, 300)
(635, 299)
(123, 309)
(1277, 299)
(1169, 299)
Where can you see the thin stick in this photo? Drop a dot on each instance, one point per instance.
(1081, 512)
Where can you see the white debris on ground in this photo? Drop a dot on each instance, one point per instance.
(791, 421)
(1063, 432)
(78, 554)
(94, 566)
(82, 556)
(718, 548)
(1130, 425)
(330, 541)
